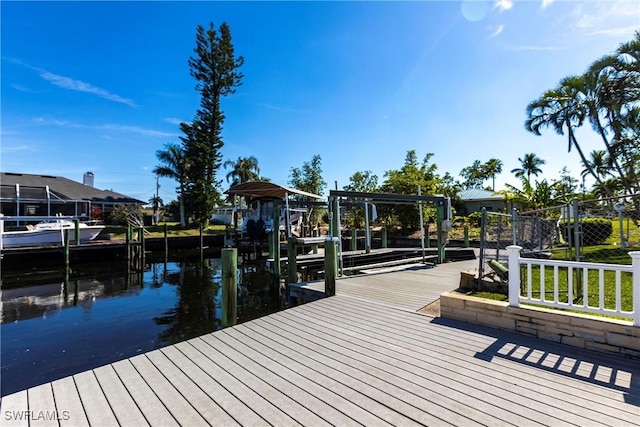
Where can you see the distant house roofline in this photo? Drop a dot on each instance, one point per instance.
(63, 188)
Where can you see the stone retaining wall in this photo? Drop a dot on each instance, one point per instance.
(614, 336)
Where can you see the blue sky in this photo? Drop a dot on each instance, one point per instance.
(101, 86)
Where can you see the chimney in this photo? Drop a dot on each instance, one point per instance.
(88, 179)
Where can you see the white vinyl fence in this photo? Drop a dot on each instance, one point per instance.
(581, 286)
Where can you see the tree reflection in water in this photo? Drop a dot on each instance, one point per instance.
(198, 309)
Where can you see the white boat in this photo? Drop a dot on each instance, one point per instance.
(49, 233)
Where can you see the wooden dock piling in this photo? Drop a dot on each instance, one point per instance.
(229, 286)
(66, 248)
(330, 265)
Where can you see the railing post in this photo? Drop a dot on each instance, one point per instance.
(514, 226)
(513, 252)
(577, 237)
(635, 267)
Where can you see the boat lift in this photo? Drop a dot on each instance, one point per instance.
(443, 216)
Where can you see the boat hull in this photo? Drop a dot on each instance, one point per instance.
(15, 239)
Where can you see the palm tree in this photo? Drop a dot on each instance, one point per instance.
(538, 196)
(244, 169)
(599, 163)
(529, 165)
(560, 109)
(173, 164)
(492, 168)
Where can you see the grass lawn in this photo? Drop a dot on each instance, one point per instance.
(173, 230)
(609, 252)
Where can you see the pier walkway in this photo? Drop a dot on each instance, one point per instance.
(359, 358)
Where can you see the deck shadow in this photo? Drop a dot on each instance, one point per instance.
(607, 370)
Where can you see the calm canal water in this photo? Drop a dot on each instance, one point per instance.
(55, 329)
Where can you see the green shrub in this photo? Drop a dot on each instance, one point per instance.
(594, 231)
(475, 219)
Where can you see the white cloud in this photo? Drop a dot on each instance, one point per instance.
(496, 31)
(621, 31)
(173, 120)
(546, 3)
(277, 108)
(535, 48)
(80, 86)
(503, 4)
(72, 84)
(6, 148)
(107, 127)
(21, 88)
(606, 15)
(135, 129)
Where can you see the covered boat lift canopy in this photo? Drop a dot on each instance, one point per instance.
(254, 189)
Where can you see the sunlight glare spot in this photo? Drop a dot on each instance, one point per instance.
(475, 10)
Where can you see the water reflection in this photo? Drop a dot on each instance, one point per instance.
(53, 327)
(195, 311)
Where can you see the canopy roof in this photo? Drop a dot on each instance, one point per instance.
(266, 189)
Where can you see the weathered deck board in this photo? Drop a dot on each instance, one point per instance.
(150, 405)
(95, 404)
(407, 352)
(409, 289)
(42, 397)
(13, 408)
(363, 357)
(180, 407)
(202, 403)
(441, 340)
(68, 402)
(123, 406)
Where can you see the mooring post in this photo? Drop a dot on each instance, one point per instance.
(127, 238)
(271, 239)
(466, 236)
(427, 238)
(66, 248)
(292, 265)
(385, 242)
(354, 239)
(330, 265)
(166, 242)
(367, 229)
(76, 223)
(142, 247)
(440, 235)
(314, 233)
(201, 245)
(229, 286)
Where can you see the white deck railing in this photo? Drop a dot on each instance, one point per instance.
(549, 295)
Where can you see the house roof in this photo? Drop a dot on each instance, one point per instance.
(266, 189)
(478, 194)
(31, 186)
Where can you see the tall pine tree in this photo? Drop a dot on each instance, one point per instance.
(215, 68)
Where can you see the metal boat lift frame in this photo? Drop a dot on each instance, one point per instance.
(443, 215)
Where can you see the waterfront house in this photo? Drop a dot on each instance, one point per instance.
(24, 194)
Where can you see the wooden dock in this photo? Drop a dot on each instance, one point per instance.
(362, 357)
